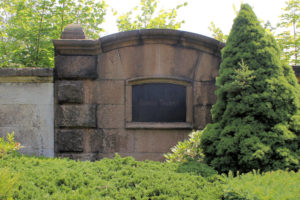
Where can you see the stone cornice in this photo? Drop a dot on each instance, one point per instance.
(77, 47)
(161, 36)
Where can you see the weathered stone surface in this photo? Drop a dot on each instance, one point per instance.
(110, 66)
(156, 60)
(73, 31)
(157, 141)
(70, 140)
(76, 116)
(76, 67)
(26, 115)
(110, 116)
(148, 60)
(177, 61)
(39, 72)
(35, 141)
(70, 92)
(202, 116)
(207, 67)
(93, 140)
(104, 92)
(26, 93)
(117, 140)
(204, 93)
(110, 92)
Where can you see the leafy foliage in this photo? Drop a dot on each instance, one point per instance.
(149, 17)
(187, 150)
(9, 145)
(217, 33)
(27, 28)
(256, 116)
(289, 38)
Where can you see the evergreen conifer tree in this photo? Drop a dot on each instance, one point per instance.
(256, 120)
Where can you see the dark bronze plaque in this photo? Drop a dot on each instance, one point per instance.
(158, 102)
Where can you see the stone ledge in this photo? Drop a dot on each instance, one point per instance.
(23, 72)
(158, 125)
(77, 47)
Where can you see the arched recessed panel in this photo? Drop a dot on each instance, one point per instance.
(158, 102)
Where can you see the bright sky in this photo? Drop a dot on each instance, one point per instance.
(199, 13)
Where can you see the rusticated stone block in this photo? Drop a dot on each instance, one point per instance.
(70, 92)
(204, 93)
(202, 116)
(93, 140)
(69, 140)
(76, 116)
(76, 67)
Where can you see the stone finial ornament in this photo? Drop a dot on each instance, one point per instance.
(73, 31)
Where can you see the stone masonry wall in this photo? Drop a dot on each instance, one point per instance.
(93, 83)
(26, 107)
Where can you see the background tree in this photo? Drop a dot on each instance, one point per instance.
(288, 36)
(27, 28)
(217, 33)
(149, 17)
(256, 117)
(286, 32)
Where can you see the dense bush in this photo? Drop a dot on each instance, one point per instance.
(8, 181)
(125, 178)
(276, 185)
(187, 150)
(256, 117)
(118, 178)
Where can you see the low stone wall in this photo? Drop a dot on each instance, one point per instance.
(26, 107)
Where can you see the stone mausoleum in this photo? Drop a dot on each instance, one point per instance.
(135, 93)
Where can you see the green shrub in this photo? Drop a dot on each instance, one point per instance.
(118, 178)
(7, 182)
(197, 168)
(276, 185)
(256, 117)
(187, 150)
(8, 145)
(125, 178)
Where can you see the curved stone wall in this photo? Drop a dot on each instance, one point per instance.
(94, 81)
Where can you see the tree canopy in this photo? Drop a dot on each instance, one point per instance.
(27, 28)
(147, 17)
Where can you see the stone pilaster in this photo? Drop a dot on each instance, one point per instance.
(75, 120)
